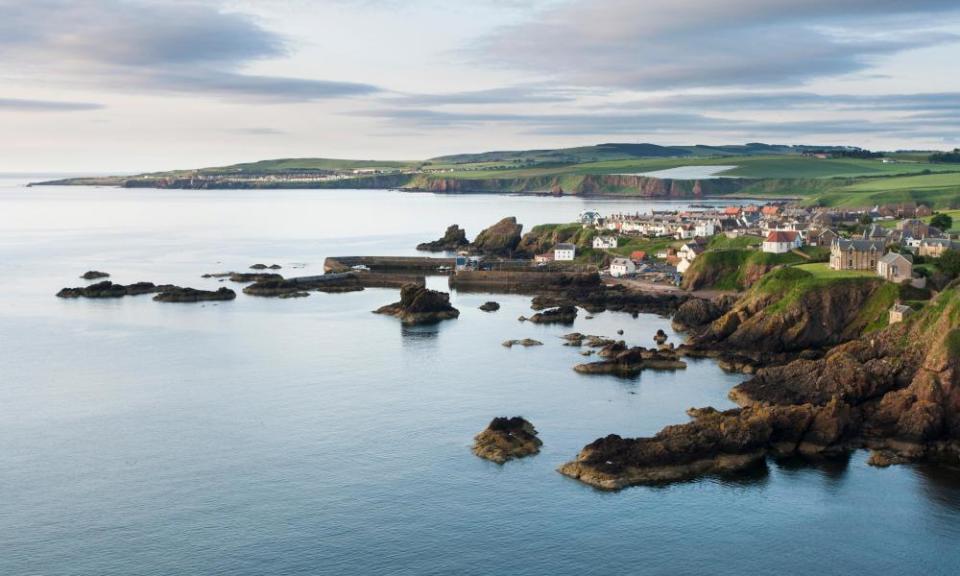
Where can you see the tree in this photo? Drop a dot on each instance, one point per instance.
(948, 264)
(865, 219)
(942, 221)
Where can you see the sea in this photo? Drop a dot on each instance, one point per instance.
(309, 436)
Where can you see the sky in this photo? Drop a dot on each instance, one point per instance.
(102, 86)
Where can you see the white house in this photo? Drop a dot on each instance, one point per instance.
(564, 252)
(622, 267)
(782, 241)
(689, 251)
(684, 232)
(705, 228)
(604, 242)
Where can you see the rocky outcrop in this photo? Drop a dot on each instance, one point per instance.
(501, 239)
(896, 391)
(558, 315)
(178, 294)
(789, 313)
(526, 343)
(265, 267)
(505, 439)
(245, 277)
(455, 238)
(94, 275)
(490, 306)
(280, 287)
(697, 312)
(108, 289)
(713, 443)
(628, 363)
(419, 305)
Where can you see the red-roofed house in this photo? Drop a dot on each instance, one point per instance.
(638, 255)
(770, 210)
(782, 241)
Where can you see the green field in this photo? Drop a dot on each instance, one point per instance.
(821, 270)
(940, 190)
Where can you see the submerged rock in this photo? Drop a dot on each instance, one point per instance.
(490, 306)
(94, 275)
(178, 294)
(419, 305)
(455, 238)
(526, 342)
(505, 439)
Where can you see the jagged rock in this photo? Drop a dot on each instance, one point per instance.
(419, 305)
(526, 342)
(560, 315)
(595, 299)
(505, 439)
(587, 353)
(501, 239)
(660, 337)
(696, 312)
(490, 306)
(94, 275)
(574, 339)
(612, 348)
(713, 443)
(178, 294)
(455, 238)
(630, 362)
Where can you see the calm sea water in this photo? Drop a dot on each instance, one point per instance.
(309, 436)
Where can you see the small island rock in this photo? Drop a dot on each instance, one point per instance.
(419, 305)
(507, 438)
(94, 275)
(490, 306)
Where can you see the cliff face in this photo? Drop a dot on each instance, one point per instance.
(589, 184)
(900, 386)
(791, 311)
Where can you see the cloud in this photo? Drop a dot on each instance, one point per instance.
(190, 47)
(640, 124)
(793, 100)
(257, 131)
(26, 105)
(528, 94)
(668, 44)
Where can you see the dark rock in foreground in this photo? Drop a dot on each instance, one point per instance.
(559, 315)
(490, 306)
(178, 294)
(419, 305)
(506, 439)
(94, 275)
(630, 362)
(455, 238)
(280, 287)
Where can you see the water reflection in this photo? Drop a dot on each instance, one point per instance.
(940, 484)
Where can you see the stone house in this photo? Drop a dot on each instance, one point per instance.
(855, 254)
(895, 267)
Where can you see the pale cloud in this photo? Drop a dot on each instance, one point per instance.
(186, 47)
(669, 44)
(28, 105)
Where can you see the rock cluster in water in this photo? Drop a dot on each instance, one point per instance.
(420, 305)
(505, 439)
(525, 342)
(558, 315)
(628, 362)
(490, 306)
(107, 289)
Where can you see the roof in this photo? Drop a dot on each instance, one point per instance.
(565, 246)
(859, 244)
(781, 236)
(621, 262)
(638, 255)
(893, 257)
(901, 308)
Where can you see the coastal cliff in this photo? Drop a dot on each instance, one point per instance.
(894, 389)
